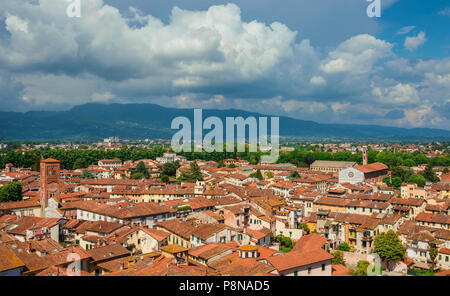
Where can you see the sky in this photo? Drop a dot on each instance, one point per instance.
(320, 60)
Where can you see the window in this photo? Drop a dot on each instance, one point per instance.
(295, 273)
(309, 270)
(446, 258)
(323, 267)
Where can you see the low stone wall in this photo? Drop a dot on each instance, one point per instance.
(352, 258)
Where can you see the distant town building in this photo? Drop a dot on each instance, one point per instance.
(330, 165)
(167, 157)
(110, 163)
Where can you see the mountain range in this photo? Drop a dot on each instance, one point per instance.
(94, 121)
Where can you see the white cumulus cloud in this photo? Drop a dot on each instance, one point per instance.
(412, 43)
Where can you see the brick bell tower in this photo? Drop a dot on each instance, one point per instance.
(49, 182)
(365, 156)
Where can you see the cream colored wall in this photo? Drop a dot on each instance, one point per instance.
(316, 270)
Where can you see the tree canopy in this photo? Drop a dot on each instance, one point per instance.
(338, 258)
(343, 247)
(429, 174)
(418, 179)
(86, 174)
(293, 175)
(169, 169)
(193, 175)
(11, 192)
(269, 174)
(257, 175)
(140, 168)
(389, 247)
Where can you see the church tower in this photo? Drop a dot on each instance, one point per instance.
(365, 157)
(49, 182)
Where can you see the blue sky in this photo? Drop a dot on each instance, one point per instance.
(427, 16)
(324, 60)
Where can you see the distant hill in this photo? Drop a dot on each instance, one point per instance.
(141, 121)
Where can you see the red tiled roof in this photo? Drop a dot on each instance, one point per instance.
(340, 270)
(296, 259)
(309, 242)
(50, 160)
(8, 260)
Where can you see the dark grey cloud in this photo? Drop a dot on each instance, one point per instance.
(395, 114)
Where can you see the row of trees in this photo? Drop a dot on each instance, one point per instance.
(400, 175)
(193, 174)
(76, 158)
(305, 158)
(79, 158)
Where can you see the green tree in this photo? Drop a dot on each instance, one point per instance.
(409, 162)
(387, 181)
(429, 174)
(257, 175)
(137, 176)
(169, 169)
(445, 171)
(418, 179)
(36, 164)
(80, 163)
(269, 175)
(389, 247)
(361, 268)
(11, 192)
(308, 160)
(140, 168)
(343, 247)
(232, 165)
(285, 243)
(164, 178)
(401, 173)
(195, 172)
(193, 175)
(397, 182)
(433, 251)
(305, 227)
(338, 258)
(293, 175)
(86, 174)
(220, 164)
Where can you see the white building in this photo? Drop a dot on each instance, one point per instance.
(351, 175)
(167, 157)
